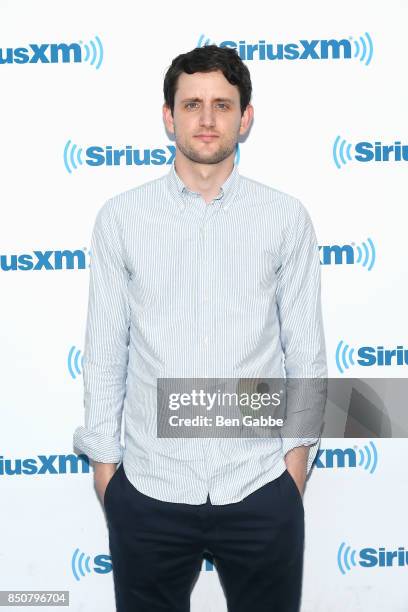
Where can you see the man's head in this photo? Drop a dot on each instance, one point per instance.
(207, 94)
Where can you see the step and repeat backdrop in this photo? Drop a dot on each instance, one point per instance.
(81, 96)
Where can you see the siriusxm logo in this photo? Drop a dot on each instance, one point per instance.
(365, 458)
(127, 156)
(80, 564)
(364, 151)
(75, 362)
(360, 48)
(44, 260)
(55, 53)
(336, 254)
(75, 156)
(208, 565)
(369, 356)
(42, 464)
(102, 564)
(348, 558)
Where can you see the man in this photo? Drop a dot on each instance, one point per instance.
(200, 273)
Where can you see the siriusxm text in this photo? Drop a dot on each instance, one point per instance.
(44, 464)
(44, 260)
(46, 53)
(303, 49)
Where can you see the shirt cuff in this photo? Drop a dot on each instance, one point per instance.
(97, 446)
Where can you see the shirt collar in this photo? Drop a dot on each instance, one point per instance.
(227, 192)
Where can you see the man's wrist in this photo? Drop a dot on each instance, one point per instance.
(296, 464)
(103, 470)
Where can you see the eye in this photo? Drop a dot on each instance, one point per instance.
(223, 106)
(191, 105)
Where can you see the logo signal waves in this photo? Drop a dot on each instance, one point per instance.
(79, 562)
(74, 367)
(203, 41)
(341, 152)
(368, 457)
(346, 558)
(237, 154)
(93, 52)
(72, 156)
(365, 254)
(344, 356)
(363, 48)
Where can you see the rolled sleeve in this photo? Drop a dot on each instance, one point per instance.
(302, 335)
(106, 349)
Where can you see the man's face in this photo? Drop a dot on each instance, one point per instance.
(207, 117)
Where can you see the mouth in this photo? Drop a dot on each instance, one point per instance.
(206, 137)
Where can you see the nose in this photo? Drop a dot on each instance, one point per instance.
(207, 116)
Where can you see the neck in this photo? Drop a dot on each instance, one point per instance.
(205, 179)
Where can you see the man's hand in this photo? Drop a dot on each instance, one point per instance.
(296, 464)
(103, 472)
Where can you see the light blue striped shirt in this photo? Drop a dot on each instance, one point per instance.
(182, 289)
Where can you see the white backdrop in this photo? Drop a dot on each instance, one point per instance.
(53, 532)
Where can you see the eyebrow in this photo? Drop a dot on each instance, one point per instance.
(200, 100)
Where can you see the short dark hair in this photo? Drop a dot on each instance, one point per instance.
(208, 59)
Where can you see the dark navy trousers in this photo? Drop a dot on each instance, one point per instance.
(157, 548)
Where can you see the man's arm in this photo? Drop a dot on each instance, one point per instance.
(302, 335)
(105, 356)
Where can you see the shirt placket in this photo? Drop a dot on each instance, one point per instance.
(204, 284)
(202, 298)
(203, 301)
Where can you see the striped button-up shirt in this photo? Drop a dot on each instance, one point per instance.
(181, 288)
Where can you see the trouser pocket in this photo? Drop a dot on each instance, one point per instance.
(110, 484)
(294, 488)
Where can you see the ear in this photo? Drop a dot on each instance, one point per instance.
(246, 119)
(168, 119)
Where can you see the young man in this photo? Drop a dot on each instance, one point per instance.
(200, 273)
